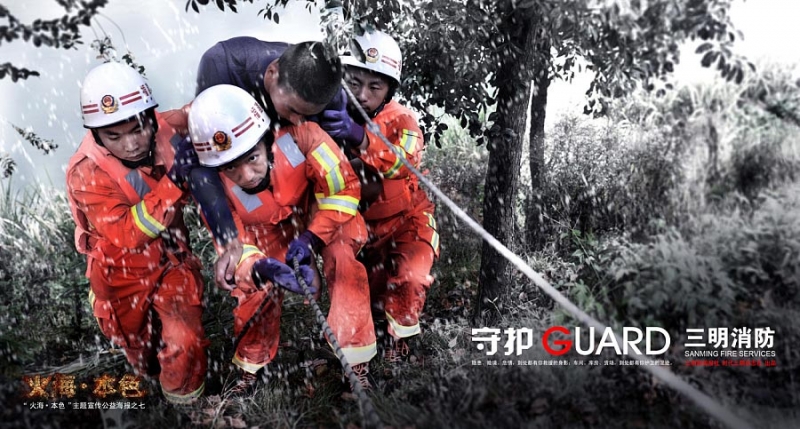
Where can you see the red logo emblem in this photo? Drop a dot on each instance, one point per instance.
(372, 55)
(221, 141)
(109, 104)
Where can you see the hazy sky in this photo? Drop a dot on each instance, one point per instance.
(169, 42)
(164, 38)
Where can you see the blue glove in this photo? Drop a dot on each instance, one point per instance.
(281, 275)
(185, 160)
(303, 248)
(338, 124)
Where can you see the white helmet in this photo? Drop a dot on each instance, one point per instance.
(112, 93)
(224, 123)
(380, 54)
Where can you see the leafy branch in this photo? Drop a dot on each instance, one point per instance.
(7, 165)
(15, 73)
(43, 145)
(220, 4)
(61, 32)
(107, 52)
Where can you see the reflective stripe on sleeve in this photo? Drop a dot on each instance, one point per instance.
(341, 203)
(325, 156)
(330, 163)
(393, 170)
(408, 141)
(249, 250)
(335, 180)
(435, 236)
(92, 299)
(145, 222)
(431, 220)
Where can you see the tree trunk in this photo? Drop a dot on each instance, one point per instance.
(541, 83)
(502, 174)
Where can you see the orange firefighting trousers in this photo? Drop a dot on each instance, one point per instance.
(399, 258)
(259, 344)
(174, 293)
(349, 317)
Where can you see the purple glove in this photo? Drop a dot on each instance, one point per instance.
(302, 248)
(185, 160)
(338, 124)
(281, 275)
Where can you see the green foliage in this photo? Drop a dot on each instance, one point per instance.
(705, 272)
(671, 283)
(757, 167)
(729, 138)
(43, 306)
(268, 12)
(605, 177)
(61, 32)
(457, 168)
(221, 4)
(43, 145)
(7, 165)
(16, 73)
(456, 63)
(731, 266)
(107, 52)
(758, 247)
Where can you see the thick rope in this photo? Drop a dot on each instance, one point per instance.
(371, 418)
(705, 402)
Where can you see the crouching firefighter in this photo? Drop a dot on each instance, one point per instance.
(403, 240)
(269, 178)
(126, 190)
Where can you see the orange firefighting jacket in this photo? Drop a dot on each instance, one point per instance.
(398, 124)
(305, 153)
(121, 214)
(256, 216)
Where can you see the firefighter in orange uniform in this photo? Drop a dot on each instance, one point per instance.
(268, 178)
(125, 190)
(403, 239)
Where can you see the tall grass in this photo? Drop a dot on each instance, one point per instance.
(42, 284)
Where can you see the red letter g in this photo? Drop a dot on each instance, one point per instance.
(565, 344)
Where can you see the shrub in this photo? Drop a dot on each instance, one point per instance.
(605, 177)
(458, 168)
(713, 265)
(670, 283)
(735, 266)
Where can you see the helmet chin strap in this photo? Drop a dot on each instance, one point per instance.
(357, 118)
(260, 187)
(378, 109)
(150, 159)
(147, 161)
